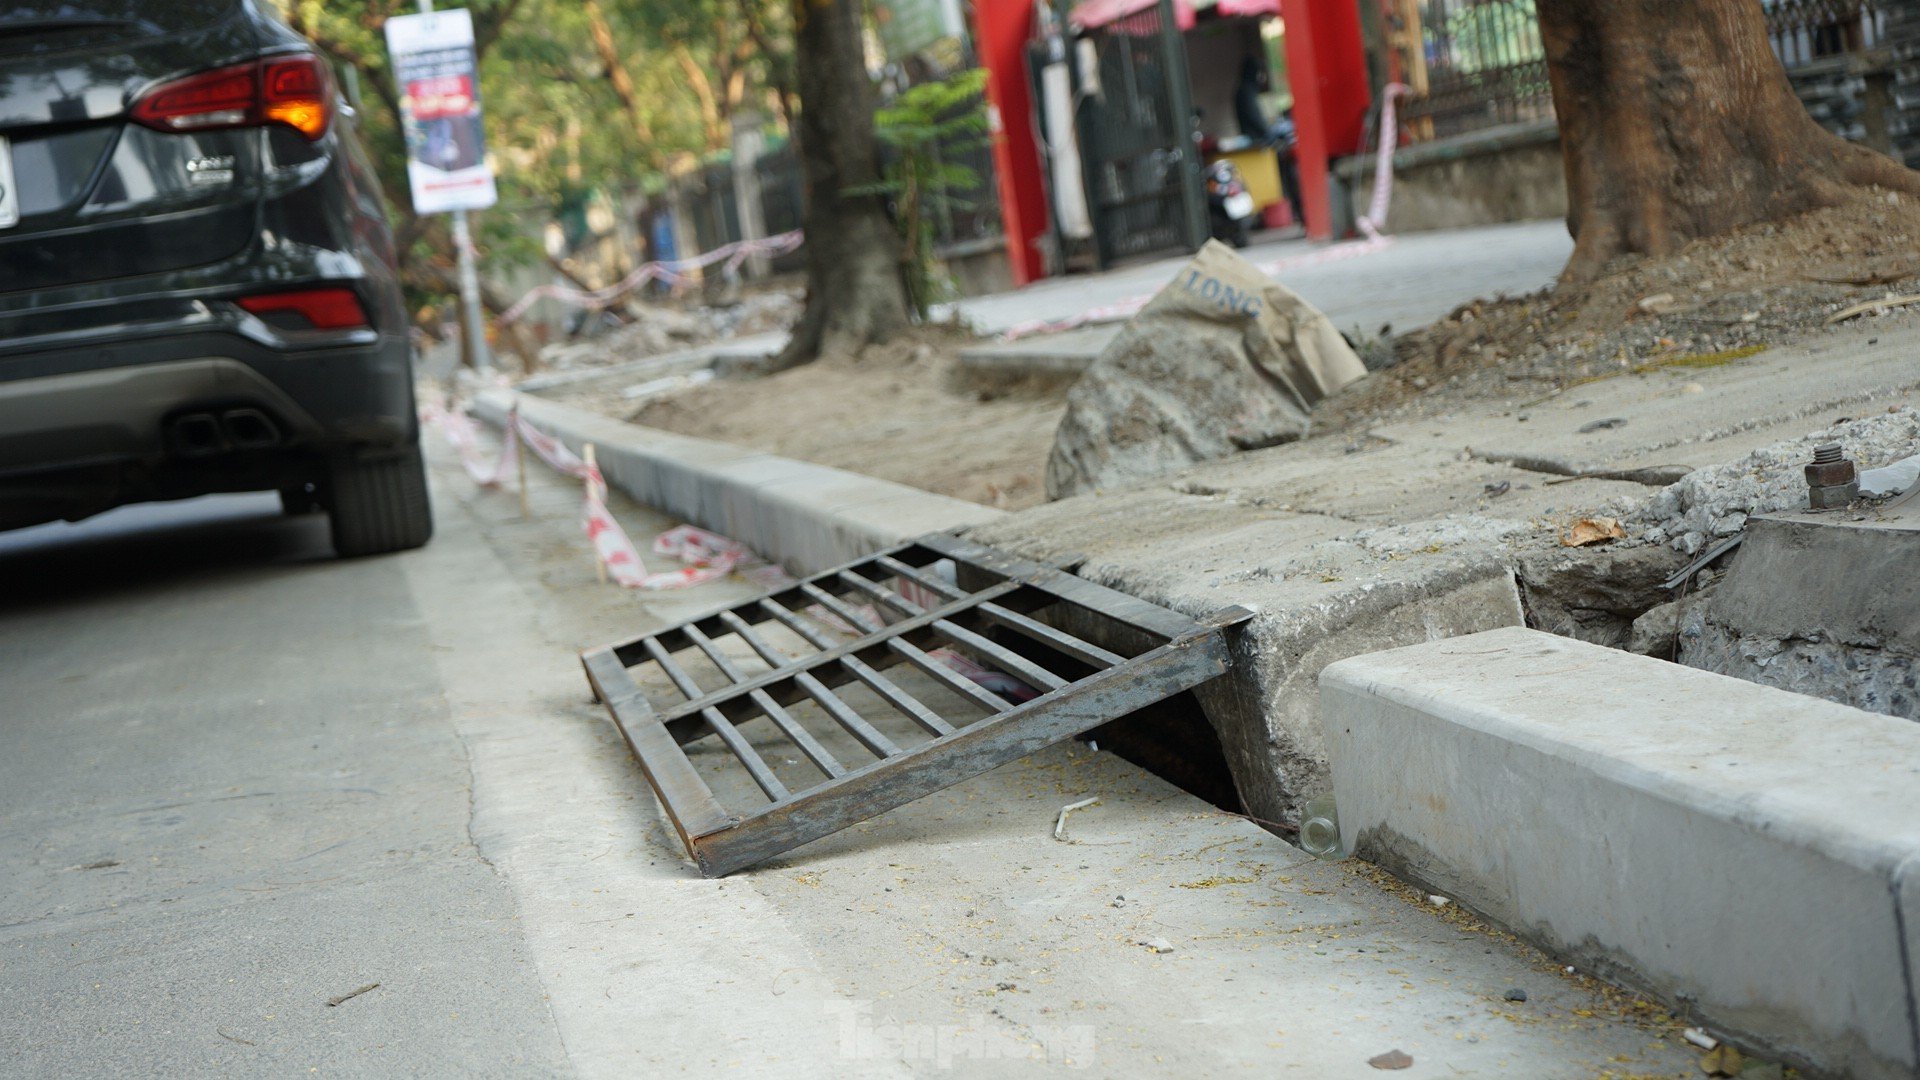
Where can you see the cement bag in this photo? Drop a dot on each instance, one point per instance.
(1223, 359)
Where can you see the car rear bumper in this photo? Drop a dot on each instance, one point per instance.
(119, 414)
(124, 400)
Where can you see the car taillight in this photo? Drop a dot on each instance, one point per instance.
(325, 309)
(295, 91)
(290, 90)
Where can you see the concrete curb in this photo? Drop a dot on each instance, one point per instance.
(1744, 851)
(806, 517)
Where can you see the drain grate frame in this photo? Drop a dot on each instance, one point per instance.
(806, 648)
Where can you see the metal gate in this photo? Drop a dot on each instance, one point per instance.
(813, 734)
(1136, 137)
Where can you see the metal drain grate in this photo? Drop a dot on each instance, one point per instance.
(840, 697)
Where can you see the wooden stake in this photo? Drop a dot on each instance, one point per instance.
(586, 454)
(520, 460)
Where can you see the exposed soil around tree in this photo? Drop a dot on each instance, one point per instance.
(902, 411)
(1715, 302)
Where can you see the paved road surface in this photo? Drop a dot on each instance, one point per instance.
(239, 778)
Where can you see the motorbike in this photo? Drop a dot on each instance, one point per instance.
(1229, 205)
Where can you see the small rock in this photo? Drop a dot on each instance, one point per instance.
(1515, 993)
(1392, 1059)
(1602, 425)
(1159, 945)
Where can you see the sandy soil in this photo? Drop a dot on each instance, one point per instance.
(903, 412)
(899, 412)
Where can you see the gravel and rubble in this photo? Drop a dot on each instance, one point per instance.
(655, 328)
(1715, 502)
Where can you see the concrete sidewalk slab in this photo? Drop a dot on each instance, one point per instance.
(1418, 279)
(1688, 416)
(806, 517)
(1741, 849)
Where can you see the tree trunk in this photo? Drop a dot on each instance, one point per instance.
(623, 87)
(855, 294)
(1677, 122)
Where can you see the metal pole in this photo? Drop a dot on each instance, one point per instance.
(469, 275)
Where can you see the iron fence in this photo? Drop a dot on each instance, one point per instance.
(1804, 31)
(1480, 64)
(972, 215)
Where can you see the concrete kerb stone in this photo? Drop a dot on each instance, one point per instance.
(1746, 853)
(806, 517)
(1317, 595)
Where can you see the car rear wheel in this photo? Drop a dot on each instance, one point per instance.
(379, 503)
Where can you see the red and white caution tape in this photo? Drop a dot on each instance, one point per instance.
(1375, 219)
(668, 270)
(610, 544)
(708, 557)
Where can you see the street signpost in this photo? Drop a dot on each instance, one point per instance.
(438, 74)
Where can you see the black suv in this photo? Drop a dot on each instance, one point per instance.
(197, 283)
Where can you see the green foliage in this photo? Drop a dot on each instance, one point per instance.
(922, 126)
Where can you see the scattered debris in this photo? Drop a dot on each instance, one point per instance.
(1593, 531)
(1743, 291)
(1158, 945)
(1885, 303)
(350, 995)
(1603, 425)
(1438, 901)
(234, 1038)
(1699, 1038)
(1723, 1060)
(1515, 993)
(1494, 491)
(1391, 1060)
(1712, 503)
(655, 328)
(1060, 823)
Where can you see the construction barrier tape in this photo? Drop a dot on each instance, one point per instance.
(610, 544)
(671, 270)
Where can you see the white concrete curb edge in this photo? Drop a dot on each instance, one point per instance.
(806, 517)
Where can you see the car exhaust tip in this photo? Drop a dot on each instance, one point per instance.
(250, 429)
(196, 435)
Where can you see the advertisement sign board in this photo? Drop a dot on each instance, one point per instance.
(433, 62)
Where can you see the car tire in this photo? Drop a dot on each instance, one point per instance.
(378, 503)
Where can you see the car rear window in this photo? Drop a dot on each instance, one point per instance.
(39, 26)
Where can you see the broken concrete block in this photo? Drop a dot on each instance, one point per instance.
(1744, 850)
(1820, 604)
(1223, 359)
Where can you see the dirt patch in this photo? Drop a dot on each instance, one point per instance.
(1716, 302)
(901, 411)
